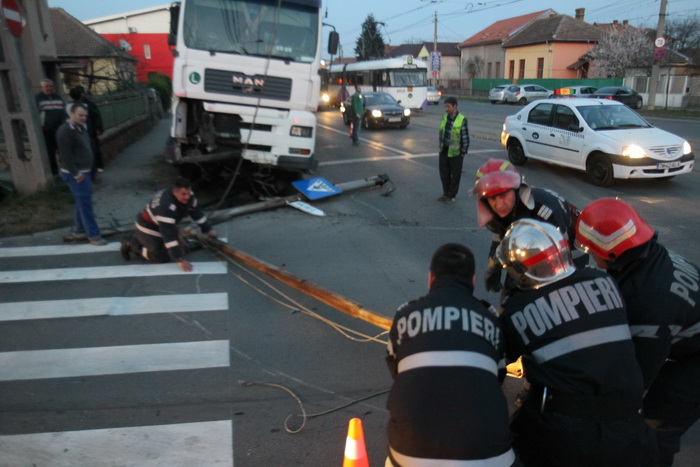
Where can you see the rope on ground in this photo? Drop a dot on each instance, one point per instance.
(304, 416)
(293, 304)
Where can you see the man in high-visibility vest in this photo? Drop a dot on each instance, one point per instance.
(454, 145)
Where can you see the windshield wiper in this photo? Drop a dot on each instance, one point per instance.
(632, 125)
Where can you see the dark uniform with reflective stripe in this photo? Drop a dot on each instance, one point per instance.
(586, 387)
(156, 227)
(445, 353)
(661, 290)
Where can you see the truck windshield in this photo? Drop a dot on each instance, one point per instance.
(252, 27)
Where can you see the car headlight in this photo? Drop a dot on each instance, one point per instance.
(376, 113)
(633, 151)
(406, 112)
(686, 148)
(342, 107)
(325, 97)
(303, 131)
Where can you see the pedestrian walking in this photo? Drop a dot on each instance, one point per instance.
(52, 114)
(75, 162)
(570, 327)
(157, 237)
(454, 146)
(445, 354)
(94, 126)
(661, 291)
(357, 104)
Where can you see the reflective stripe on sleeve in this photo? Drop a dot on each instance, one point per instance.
(172, 244)
(582, 340)
(448, 358)
(507, 458)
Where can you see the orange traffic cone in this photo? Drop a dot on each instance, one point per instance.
(355, 452)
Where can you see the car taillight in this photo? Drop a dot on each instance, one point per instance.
(609, 97)
(439, 93)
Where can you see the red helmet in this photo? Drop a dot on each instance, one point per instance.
(496, 176)
(608, 227)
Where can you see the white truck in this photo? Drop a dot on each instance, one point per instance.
(246, 84)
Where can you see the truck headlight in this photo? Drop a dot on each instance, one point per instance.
(303, 131)
(686, 148)
(633, 151)
(376, 113)
(406, 112)
(325, 97)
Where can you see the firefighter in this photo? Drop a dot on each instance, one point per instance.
(503, 197)
(660, 289)
(445, 353)
(157, 237)
(570, 326)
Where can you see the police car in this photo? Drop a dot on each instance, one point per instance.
(605, 138)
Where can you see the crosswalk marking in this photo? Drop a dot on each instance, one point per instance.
(200, 444)
(91, 361)
(53, 250)
(113, 306)
(108, 272)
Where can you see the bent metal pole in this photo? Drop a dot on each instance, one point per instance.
(331, 299)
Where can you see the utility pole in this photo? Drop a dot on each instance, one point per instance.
(660, 27)
(437, 78)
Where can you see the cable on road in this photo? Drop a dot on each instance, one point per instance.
(292, 304)
(304, 416)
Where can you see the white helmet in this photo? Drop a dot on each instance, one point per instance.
(535, 254)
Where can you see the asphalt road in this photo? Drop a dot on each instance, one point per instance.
(194, 368)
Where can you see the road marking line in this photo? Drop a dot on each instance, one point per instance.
(113, 306)
(404, 157)
(52, 250)
(92, 361)
(108, 272)
(201, 444)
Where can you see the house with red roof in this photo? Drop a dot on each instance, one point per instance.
(483, 56)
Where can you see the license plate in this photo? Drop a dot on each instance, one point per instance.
(668, 165)
(394, 119)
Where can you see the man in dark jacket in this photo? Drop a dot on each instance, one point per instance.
(157, 237)
(94, 126)
(661, 290)
(503, 197)
(52, 113)
(445, 354)
(570, 326)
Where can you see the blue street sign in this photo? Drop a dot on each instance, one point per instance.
(316, 188)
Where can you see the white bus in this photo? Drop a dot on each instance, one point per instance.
(405, 78)
(246, 82)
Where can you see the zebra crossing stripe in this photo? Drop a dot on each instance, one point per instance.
(113, 306)
(108, 272)
(54, 250)
(200, 444)
(93, 361)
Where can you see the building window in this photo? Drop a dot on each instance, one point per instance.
(511, 69)
(540, 68)
(488, 70)
(498, 69)
(521, 71)
(147, 51)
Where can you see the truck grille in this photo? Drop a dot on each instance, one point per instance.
(238, 84)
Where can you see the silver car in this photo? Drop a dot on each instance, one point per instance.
(525, 93)
(498, 94)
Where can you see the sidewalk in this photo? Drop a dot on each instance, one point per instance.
(132, 178)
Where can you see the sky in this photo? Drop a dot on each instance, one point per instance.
(412, 21)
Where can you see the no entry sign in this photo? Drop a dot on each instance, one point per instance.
(13, 18)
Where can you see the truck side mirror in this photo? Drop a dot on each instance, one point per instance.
(333, 40)
(174, 18)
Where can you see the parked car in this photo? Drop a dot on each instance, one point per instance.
(524, 93)
(498, 94)
(575, 91)
(602, 137)
(434, 95)
(622, 94)
(381, 110)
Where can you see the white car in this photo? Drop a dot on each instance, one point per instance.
(434, 95)
(605, 138)
(521, 94)
(498, 94)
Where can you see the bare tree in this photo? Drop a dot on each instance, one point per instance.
(474, 65)
(622, 47)
(684, 33)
